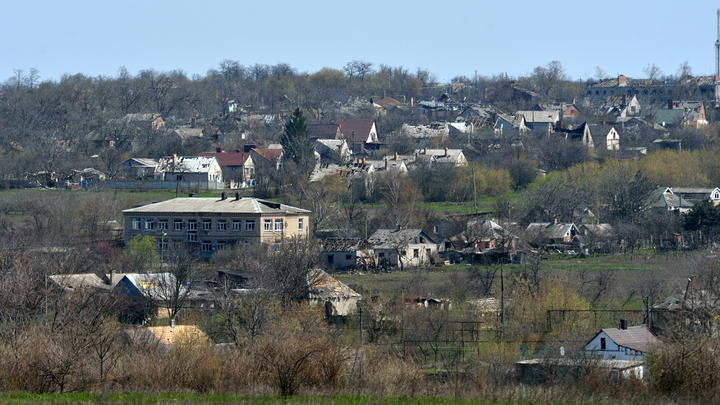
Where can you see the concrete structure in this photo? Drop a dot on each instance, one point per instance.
(412, 247)
(213, 223)
(202, 169)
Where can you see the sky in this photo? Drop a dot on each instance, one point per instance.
(461, 37)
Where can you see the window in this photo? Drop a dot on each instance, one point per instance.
(716, 196)
(206, 246)
(381, 254)
(207, 225)
(603, 346)
(178, 177)
(300, 224)
(416, 253)
(348, 257)
(331, 258)
(236, 224)
(163, 224)
(268, 225)
(278, 225)
(192, 225)
(149, 224)
(249, 226)
(221, 225)
(192, 236)
(221, 245)
(162, 245)
(136, 224)
(177, 225)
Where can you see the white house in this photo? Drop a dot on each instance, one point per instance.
(622, 343)
(404, 247)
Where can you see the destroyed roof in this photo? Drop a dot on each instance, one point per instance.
(540, 116)
(140, 162)
(345, 244)
(551, 230)
(393, 238)
(185, 164)
(323, 131)
(323, 286)
(77, 282)
(635, 337)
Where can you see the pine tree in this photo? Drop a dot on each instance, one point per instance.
(296, 140)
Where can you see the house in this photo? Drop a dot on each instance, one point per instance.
(78, 282)
(621, 106)
(663, 198)
(454, 157)
(581, 134)
(694, 112)
(332, 149)
(541, 121)
(237, 166)
(507, 125)
(187, 133)
(360, 133)
(411, 247)
(145, 293)
(337, 298)
(665, 118)
(348, 253)
(552, 233)
(622, 343)
(213, 223)
(433, 133)
(388, 103)
(122, 132)
(696, 195)
(203, 170)
(267, 156)
(538, 371)
(480, 116)
(139, 168)
(605, 137)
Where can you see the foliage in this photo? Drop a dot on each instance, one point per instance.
(143, 253)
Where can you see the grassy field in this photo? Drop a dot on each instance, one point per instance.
(172, 398)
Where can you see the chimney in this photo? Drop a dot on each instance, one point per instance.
(555, 220)
(172, 324)
(387, 164)
(412, 100)
(417, 156)
(218, 150)
(670, 104)
(192, 122)
(395, 155)
(236, 150)
(237, 196)
(363, 161)
(191, 195)
(621, 80)
(224, 196)
(446, 152)
(174, 159)
(623, 324)
(425, 151)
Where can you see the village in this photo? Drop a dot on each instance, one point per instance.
(377, 232)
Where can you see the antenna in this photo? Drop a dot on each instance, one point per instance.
(717, 46)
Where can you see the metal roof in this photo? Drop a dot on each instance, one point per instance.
(635, 337)
(194, 205)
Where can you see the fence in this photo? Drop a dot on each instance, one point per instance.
(164, 185)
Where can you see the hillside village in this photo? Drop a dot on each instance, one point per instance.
(490, 232)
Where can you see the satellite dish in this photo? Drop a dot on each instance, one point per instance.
(562, 350)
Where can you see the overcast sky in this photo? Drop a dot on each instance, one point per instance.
(447, 38)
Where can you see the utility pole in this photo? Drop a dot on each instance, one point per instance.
(717, 46)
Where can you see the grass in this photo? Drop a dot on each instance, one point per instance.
(174, 398)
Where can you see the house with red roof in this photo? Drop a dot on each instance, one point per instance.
(267, 156)
(359, 133)
(236, 166)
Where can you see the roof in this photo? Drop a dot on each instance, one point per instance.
(693, 190)
(635, 337)
(178, 334)
(540, 116)
(140, 162)
(186, 164)
(228, 158)
(195, 206)
(271, 155)
(388, 102)
(665, 117)
(188, 132)
(76, 282)
(392, 238)
(148, 285)
(344, 244)
(663, 197)
(360, 126)
(323, 131)
(551, 230)
(323, 286)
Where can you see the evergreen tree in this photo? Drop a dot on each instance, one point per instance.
(296, 142)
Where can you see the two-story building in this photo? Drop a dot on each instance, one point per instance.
(214, 223)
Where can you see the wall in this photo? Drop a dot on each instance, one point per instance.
(166, 185)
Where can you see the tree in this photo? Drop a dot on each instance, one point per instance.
(142, 252)
(296, 142)
(653, 72)
(174, 287)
